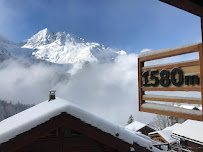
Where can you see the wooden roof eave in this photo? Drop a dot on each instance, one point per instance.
(186, 5)
(65, 119)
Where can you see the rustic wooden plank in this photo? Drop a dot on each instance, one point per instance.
(140, 65)
(172, 89)
(173, 114)
(187, 71)
(189, 49)
(186, 5)
(201, 64)
(187, 74)
(173, 99)
(172, 65)
(201, 69)
(196, 87)
(190, 70)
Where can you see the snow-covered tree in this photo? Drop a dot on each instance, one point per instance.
(130, 119)
(8, 109)
(160, 122)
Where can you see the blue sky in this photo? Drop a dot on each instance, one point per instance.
(131, 25)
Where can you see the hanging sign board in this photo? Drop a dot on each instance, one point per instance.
(177, 76)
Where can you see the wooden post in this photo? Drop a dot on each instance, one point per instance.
(201, 64)
(141, 92)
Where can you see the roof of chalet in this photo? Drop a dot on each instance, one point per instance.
(36, 115)
(136, 126)
(191, 130)
(167, 132)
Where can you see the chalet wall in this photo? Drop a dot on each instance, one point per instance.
(72, 144)
(194, 147)
(29, 140)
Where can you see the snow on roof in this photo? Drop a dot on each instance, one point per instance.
(154, 52)
(190, 106)
(190, 129)
(167, 132)
(135, 126)
(173, 126)
(30, 118)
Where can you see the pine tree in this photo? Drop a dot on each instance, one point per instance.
(8, 109)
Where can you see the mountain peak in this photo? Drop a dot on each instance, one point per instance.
(43, 37)
(65, 48)
(45, 31)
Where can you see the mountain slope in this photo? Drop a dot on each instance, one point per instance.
(59, 48)
(4, 53)
(65, 48)
(9, 49)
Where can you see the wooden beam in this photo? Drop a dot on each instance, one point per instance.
(189, 49)
(172, 89)
(172, 65)
(201, 67)
(141, 92)
(173, 99)
(201, 61)
(173, 114)
(186, 5)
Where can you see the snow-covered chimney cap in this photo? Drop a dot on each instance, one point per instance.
(52, 95)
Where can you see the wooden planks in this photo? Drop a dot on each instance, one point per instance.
(173, 114)
(172, 89)
(186, 5)
(201, 62)
(190, 49)
(173, 99)
(172, 65)
(201, 69)
(140, 65)
(189, 68)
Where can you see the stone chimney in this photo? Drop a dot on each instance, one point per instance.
(52, 95)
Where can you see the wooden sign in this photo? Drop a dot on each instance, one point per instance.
(177, 76)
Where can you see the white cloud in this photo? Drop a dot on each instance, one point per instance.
(108, 90)
(145, 50)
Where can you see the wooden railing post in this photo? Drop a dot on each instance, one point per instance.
(141, 92)
(201, 64)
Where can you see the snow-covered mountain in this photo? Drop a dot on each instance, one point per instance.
(61, 48)
(9, 49)
(4, 53)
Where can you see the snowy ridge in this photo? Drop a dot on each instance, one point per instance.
(41, 38)
(36, 115)
(65, 48)
(9, 49)
(4, 53)
(58, 48)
